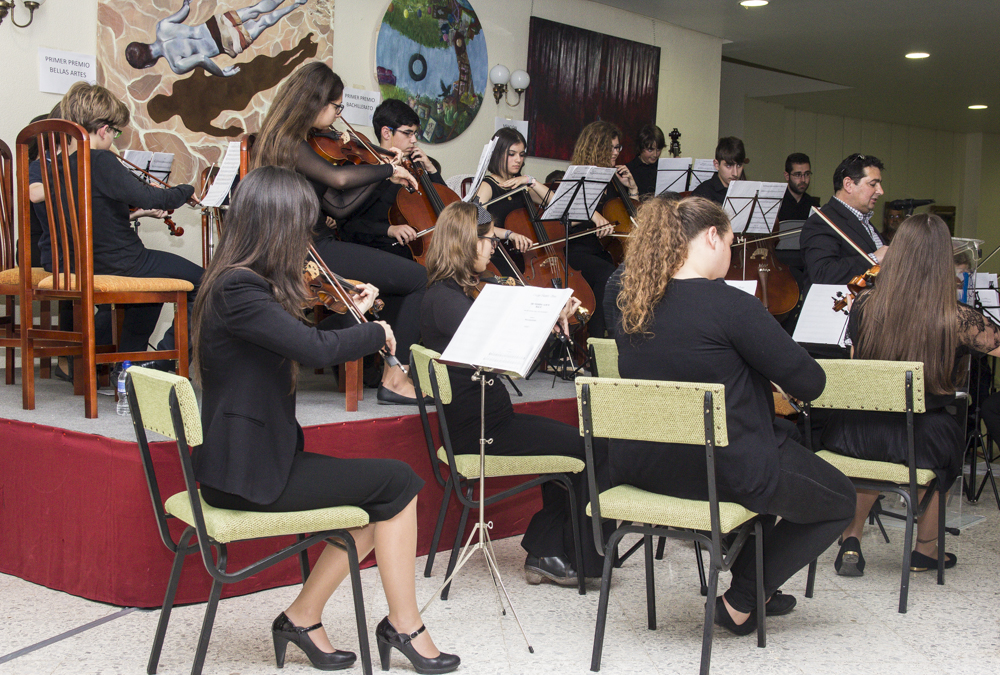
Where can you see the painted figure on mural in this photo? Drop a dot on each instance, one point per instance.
(188, 47)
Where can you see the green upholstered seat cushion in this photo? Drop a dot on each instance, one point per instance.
(888, 472)
(225, 526)
(468, 465)
(626, 502)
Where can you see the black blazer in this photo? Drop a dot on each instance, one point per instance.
(247, 346)
(828, 258)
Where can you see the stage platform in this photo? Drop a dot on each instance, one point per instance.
(75, 513)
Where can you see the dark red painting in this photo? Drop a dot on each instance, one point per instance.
(579, 76)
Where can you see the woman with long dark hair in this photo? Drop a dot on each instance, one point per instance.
(681, 322)
(249, 340)
(310, 100)
(911, 314)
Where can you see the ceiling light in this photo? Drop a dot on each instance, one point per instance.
(977, 107)
(754, 3)
(917, 55)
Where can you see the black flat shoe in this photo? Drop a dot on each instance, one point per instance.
(723, 618)
(779, 604)
(387, 638)
(284, 631)
(556, 569)
(62, 374)
(388, 397)
(850, 562)
(922, 563)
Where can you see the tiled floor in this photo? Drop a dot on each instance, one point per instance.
(850, 626)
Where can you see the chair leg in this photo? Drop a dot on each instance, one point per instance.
(650, 586)
(706, 639)
(458, 544)
(942, 512)
(181, 329)
(45, 367)
(577, 544)
(701, 567)
(351, 385)
(758, 535)
(209, 621)
(442, 514)
(168, 600)
(359, 604)
(304, 560)
(904, 584)
(602, 604)
(659, 553)
(811, 579)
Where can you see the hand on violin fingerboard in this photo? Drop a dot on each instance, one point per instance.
(367, 294)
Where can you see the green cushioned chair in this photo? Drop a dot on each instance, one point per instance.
(463, 470)
(603, 357)
(165, 404)
(884, 386)
(634, 410)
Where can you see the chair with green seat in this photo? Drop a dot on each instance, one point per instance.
(165, 404)
(463, 469)
(603, 357)
(884, 386)
(633, 410)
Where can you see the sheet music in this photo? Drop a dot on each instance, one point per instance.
(748, 286)
(484, 161)
(744, 216)
(140, 158)
(506, 327)
(818, 322)
(228, 170)
(701, 171)
(160, 165)
(672, 174)
(157, 163)
(596, 179)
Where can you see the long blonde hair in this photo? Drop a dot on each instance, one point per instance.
(912, 312)
(657, 249)
(454, 247)
(593, 145)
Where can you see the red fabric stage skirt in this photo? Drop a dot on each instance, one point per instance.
(75, 512)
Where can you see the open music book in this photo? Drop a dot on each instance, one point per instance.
(506, 328)
(752, 205)
(818, 323)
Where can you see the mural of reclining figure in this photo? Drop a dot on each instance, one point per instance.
(188, 47)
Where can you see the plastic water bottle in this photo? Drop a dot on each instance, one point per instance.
(122, 396)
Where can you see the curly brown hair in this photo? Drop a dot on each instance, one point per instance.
(593, 145)
(658, 247)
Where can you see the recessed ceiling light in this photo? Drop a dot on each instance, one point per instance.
(917, 55)
(977, 107)
(754, 3)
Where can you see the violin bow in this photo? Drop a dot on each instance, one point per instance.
(563, 240)
(505, 195)
(158, 180)
(836, 229)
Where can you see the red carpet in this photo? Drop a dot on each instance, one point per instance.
(75, 513)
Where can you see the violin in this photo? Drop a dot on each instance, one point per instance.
(621, 211)
(322, 292)
(333, 149)
(855, 286)
(420, 209)
(755, 259)
(167, 220)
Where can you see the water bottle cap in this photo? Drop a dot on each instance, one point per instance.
(126, 364)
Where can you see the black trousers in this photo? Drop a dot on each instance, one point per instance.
(816, 503)
(401, 284)
(595, 264)
(140, 320)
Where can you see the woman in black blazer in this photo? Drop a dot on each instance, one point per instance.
(249, 341)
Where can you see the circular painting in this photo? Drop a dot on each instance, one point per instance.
(432, 54)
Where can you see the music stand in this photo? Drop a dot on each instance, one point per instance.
(576, 201)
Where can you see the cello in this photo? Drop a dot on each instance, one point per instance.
(420, 209)
(621, 211)
(754, 259)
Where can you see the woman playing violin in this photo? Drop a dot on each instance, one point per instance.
(310, 100)
(911, 314)
(249, 343)
(463, 243)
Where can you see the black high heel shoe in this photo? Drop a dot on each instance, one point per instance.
(284, 631)
(388, 637)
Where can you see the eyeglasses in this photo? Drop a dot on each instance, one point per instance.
(116, 132)
(617, 148)
(338, 107)
(855, 157)
(409, 133)
(494, 241)
(801, 174)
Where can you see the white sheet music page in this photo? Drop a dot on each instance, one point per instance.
(596, 179)
(818, 322)
(506, 327)
(161, 164)
(671, 174)
(747, 217)
(228, 171)
(484, 162)
(748, 286)
(141, 159)
(701, 171)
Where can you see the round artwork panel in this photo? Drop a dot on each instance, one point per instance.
(432, 55)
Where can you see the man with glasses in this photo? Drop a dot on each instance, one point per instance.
(829, 258)
(396, 127)
(796, 203)
(730, 156)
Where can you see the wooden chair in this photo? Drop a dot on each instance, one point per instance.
(634, 410)
(68, 208)
(165, 404)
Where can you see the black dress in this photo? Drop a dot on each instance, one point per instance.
(500, 210)
(549, 533)
(252, 456)
(938, 438)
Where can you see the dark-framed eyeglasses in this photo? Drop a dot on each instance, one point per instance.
(617, 147)
(494, 241)
(801, 174)
(409, 133)
(339, 107)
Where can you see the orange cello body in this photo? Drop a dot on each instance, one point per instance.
(420, 210)
(544, 267)
(754, 260)
(621, 211)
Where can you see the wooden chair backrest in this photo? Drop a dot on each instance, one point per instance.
(246, 147)
(7, 260)
(67, 206)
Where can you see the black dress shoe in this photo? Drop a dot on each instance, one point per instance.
(850, 562)
(388, 638)
(779, 604)
(388, 397)
(556, 569)
(724, 619)
(62, 374)
(284, 631)
(164, 365)
(922, 563)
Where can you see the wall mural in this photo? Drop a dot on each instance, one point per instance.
(432, 54)
(199, 73)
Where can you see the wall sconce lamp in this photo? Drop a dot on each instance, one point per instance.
(8, 6)
(500, 76)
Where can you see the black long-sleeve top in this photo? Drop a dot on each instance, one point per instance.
(706, 331)
(369, 224)
(712, 189)
(644, 175)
